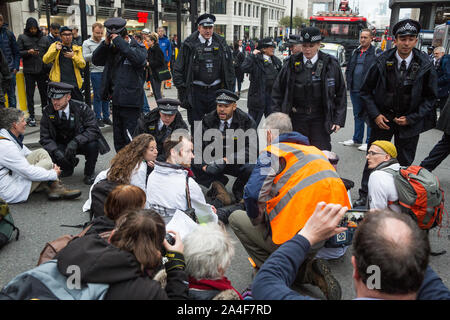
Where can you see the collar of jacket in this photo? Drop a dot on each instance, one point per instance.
(175, 167)
(190, 41)
(292, 137)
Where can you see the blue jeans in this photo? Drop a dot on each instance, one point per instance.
(100, 106)
(145, 107)
(11, 92)
(358, 136)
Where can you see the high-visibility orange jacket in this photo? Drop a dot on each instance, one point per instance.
(307, 179)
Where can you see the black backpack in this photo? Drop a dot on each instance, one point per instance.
(99, 194)
(7, 226)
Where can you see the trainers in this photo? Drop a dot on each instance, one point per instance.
(108, 122)
(321, 277)
(100, 123)
(363, 147)
(221, 193)
(350, 143)
(31, 121)
(57, 191)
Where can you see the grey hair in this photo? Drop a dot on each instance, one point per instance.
(9, 116)
(439, 49)
(206, 250)
(278, 122)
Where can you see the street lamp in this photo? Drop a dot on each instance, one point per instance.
(292, 9)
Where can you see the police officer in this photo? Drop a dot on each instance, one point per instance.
(263, 68)
(124, 60)
(161, 122)
(398, 96)
(311, 90)
(204, 65)
(294, 44)
(234, 160)
(68, 127)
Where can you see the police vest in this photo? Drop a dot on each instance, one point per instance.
(307, 179)
(207, 64)
(308, 89)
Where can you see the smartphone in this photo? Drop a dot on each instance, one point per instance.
(352, 218)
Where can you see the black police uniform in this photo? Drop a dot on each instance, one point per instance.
(150, 123)
(201, 69)
(263, 73)
(66, 136)
(217, 170)
(394, 91)
(313, 95)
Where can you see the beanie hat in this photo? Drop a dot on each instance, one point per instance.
(387, 146)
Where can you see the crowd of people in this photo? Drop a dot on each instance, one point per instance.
(287, 202)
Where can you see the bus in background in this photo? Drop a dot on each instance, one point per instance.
(441, 36)
(425, 40)
(341, 28)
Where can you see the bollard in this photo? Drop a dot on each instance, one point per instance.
(21, 94)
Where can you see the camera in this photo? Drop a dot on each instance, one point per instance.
(170, 239)
(352, 218)
(66, 49)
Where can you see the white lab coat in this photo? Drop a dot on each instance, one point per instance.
(382, 189)
(167, 187)
(15, 187)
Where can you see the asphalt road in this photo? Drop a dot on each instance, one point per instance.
(40, 221)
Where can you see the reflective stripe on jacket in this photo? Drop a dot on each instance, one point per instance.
(307, 179)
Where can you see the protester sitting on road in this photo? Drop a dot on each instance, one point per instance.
(289, 179)
(23, 172)
(131, 165)
(208, 252)
(389, 241)
(129, 260)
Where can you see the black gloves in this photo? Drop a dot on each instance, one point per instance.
(71, 149)
(216, 167)
(59, 156)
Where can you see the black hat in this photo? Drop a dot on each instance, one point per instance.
(115, 25)
(57, 90)
(265, 43)
(406, 27)
(310, 34)
(206, 20)
(294, 39)
(65, 28)
(168, 106)
(224, 96)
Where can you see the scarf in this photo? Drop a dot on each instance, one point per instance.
(204, 284)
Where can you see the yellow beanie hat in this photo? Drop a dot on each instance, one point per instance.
(387, 146)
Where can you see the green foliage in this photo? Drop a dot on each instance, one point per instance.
(297, 22)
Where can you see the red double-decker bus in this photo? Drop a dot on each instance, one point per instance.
(342, 28)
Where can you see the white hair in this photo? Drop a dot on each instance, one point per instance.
(278, 123)
(439, 49)
(206, 250)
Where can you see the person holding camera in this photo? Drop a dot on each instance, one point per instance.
(68, 61)
(124, 61)
(32, 47)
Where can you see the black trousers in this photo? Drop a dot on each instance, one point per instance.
(88, 150)
(203, 101)
(312, 127)
(76, 94)
(30, 84)
(440, 151)
(124, 124)
(406, 151)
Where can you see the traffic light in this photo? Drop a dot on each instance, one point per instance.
(53, 7)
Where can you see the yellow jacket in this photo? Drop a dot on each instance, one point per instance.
(52, 56)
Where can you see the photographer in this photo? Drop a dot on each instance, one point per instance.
(67, 59)
(124, 60)
(392, 241)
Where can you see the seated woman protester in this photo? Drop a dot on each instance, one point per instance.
(129, 260)
(208, 252)
(131, 165)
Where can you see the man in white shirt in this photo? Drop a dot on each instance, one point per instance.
(21, 171)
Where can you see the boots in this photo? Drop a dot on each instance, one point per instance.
(57, 191)
(319, 274)
(219, 192)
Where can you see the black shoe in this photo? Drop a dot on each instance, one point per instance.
(108, 122)
(100, 123)
(89, 180)
(361, 202)
(31, 121)
(66, 173)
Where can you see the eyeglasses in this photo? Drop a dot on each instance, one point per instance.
(372, 153)
(66, 34)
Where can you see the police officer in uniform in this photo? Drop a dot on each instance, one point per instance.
(161, 122)
(236, 155)
(398, 94)
(68, 127)
(263, 68)
(204, 65)
(311, 90)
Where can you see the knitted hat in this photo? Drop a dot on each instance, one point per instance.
(387, 146)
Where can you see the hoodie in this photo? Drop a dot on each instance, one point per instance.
(32, 64)
(101, 262)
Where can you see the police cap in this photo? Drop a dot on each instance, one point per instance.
(57, 90)
(115, 25)
(310, 35)
(168, 106)
(224, 96)
(206, 20)
(406, 27)
(294, 39)
(265, 43)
